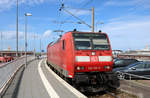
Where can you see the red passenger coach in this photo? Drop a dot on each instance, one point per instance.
(84, 58)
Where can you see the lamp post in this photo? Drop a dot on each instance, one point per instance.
(34, 45)
(16, 28)
(26, 14)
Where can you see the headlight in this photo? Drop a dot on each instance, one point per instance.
(80, 68)
(106, 67)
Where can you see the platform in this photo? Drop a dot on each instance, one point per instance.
(33, 84)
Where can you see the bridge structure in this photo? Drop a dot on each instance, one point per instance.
(13, 53)
(37, 80)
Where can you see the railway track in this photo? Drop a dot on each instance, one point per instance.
(104, 94)
(113, 94)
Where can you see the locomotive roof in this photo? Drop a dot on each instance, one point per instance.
(53, 42)
(86, 32)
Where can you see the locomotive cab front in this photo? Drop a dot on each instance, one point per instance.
(93, 62)
(92, 52)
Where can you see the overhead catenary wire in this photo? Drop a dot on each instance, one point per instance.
(79, 9)
(83, 22)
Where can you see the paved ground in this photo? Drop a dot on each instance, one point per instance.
(32, 86)
(137, 89)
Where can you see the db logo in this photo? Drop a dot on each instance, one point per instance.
(94, 59)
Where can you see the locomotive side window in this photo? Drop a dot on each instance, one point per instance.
(63, 44)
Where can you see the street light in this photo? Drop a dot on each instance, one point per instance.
(16, 28)
(26, 14)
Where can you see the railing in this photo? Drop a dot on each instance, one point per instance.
(132, 84)
(127, 76)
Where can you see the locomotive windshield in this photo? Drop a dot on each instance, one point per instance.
(91, 41)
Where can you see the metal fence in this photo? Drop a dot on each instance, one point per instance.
(128, 76)
(134, 84)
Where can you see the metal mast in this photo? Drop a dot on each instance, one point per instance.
(17, 28)
(92, 19)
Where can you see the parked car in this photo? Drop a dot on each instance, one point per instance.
(123, 62)
(2, 59)
(6, 59)
(136, 69)
(9, 58)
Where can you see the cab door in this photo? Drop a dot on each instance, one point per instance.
(63, 54)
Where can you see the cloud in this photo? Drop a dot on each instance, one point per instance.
(135, 3)
(128, 33)
(11, 35)
(47, 34)
(9, 40)
(7, 4)
(118, 3)
(74, 1)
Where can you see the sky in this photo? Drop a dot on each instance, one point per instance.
(127, 22)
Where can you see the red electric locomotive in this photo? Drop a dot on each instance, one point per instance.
(85, 58)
